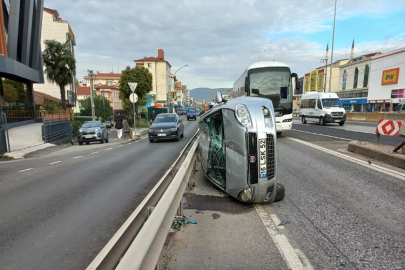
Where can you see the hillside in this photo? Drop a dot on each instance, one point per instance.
(207, 94)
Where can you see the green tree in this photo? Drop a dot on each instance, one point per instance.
(10, 94)
(143, 77)
(102, 107)
(60, 65)
(19, 87)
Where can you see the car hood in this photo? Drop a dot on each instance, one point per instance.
(163, 125)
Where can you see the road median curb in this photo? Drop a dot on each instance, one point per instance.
(378, 152)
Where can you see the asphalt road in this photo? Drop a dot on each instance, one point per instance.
(341, 215)
(360, 131)
(58, 211)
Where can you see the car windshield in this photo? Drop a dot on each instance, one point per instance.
(331, 102)
(165, 118)
(191, 109)
(274, 81)
(91, 125)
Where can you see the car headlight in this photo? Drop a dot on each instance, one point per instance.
(173, 129)
(80, 130)
(98, 130)
(243, 115)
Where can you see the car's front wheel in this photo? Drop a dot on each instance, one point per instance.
(341, 123)
(80, 143)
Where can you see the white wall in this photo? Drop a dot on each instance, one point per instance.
(54, 30)
(383, 92)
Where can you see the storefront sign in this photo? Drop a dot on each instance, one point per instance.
(313, 80)
(390, 76)
(398, 93)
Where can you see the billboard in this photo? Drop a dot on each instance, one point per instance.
(320, 80)
(313, 80)
(390, 76)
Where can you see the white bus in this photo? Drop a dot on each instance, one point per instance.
(270, 79)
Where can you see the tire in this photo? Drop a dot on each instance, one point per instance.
(80, 143)
(106, 140)
(151, 141)
(280, 193)
(341, 123)
(102, 141)
(279, 134)
(87, 143)
(303, 120)
(321, 121)
(178, 137)
(188, 119)
(182, 135)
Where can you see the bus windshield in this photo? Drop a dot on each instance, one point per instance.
(272, 81)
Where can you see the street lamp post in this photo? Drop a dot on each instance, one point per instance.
(331, 57)
(260, 53)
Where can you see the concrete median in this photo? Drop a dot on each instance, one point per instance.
(378, 152)
(374, 117)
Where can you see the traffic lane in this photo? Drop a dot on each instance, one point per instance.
(60, 218)
(343, 215)
(347, 134)
(347, 126)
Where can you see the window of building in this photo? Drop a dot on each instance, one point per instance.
(356, 78)
(80, 104)
(344, 80)
(149, 65)
(139, 64)
(108, 82)
(366, 71)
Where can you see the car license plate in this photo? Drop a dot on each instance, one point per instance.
(263, 157)
(162, 134)
(337, 121)
(89, 136)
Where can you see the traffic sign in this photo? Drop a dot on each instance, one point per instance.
(388, 127)
(133, 97)
(132, 86)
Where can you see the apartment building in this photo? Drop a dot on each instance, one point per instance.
(55, 28)
(161, 75)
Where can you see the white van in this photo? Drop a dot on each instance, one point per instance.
(322, 108)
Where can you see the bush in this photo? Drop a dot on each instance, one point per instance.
(142, 114)
(75, 126)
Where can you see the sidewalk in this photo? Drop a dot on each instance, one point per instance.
(26, 139)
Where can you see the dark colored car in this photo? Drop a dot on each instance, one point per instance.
(108, 123)
(179, 111)
(165, 127)
(191, 113)
(93, 131)
(184, 112)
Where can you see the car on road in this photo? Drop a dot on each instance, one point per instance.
(167, 126)
(237, 145)
(400, 108)
(184, 111)
(108, 123)
(179, 111)
(93, 131)
(191, 113)
(322, 108)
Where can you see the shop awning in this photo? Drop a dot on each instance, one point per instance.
(354, 101)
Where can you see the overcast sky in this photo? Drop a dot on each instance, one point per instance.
(215, 38)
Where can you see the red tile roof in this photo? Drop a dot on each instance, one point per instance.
(105, 86)
(151, 59)
(50, 11)
(105, 76)
(41, 97)
(83, 91)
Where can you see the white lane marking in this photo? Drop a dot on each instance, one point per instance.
(130, 143)
(322, 135)
(119, 145)
(78, 157)
(55, 162)
(276, 221)
(26, 170)
(373, 166)
(94, 153)
(281, 242)
(108, 149)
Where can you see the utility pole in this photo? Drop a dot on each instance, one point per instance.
(93, 117)
(326, 67)
(331, 57)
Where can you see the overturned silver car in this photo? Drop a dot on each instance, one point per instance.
(238, 149)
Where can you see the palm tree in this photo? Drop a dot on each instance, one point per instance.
(60, 65)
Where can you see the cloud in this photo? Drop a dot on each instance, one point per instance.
(214, 37)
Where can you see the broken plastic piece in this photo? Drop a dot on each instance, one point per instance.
(285, 221)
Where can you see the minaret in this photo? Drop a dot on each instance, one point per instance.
(326, 67)
(352, 53)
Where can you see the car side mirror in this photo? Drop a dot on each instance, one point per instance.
(256, 91)
(218, 97)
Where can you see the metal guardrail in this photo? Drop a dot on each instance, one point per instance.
(139, 241)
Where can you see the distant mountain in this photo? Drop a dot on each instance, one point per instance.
(207, 94)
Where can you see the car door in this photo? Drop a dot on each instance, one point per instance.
(318, 109)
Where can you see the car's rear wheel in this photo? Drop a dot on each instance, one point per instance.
(279, 134)
(87, 143)
(303, 120)
(80, 143)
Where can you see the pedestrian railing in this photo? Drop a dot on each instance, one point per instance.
(140, 240)
(56, 127)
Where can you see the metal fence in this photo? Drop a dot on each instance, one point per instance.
(56, 127)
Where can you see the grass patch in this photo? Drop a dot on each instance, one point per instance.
(5, 158)
(142, 124)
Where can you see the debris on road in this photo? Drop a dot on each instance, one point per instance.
(285, 221)
(179, 221)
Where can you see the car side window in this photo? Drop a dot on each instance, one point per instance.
(403, 107)
(312, 103)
